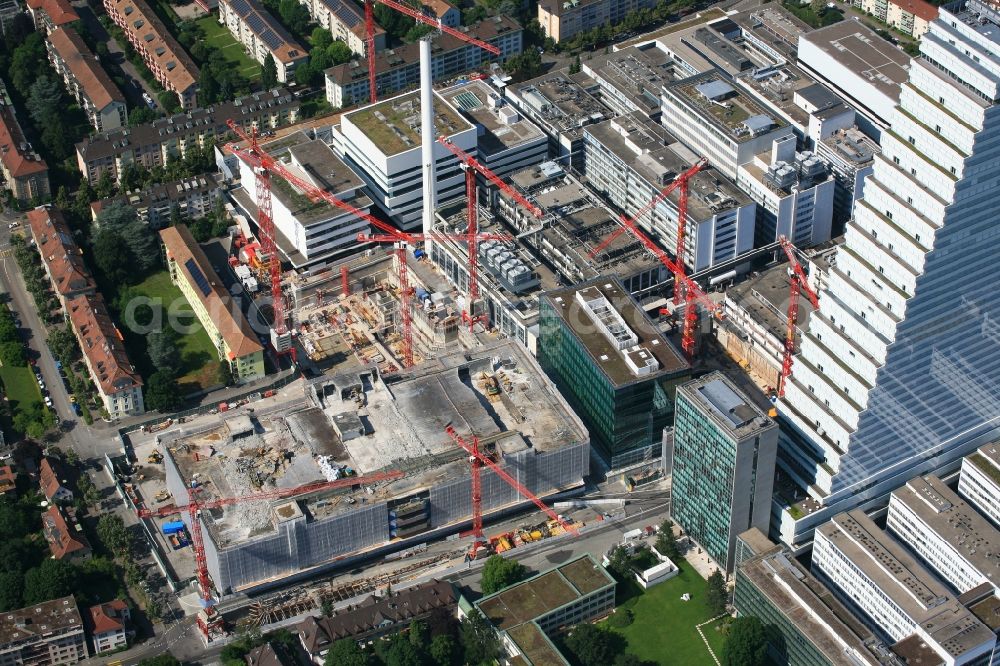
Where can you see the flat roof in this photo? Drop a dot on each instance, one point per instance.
(853, 145)
(535, 645)
(809, 606)
(394, 124)
(560, 101)
(987, 459)
(859, 48)
(727, 406)
(46, 619)
(763, 299)
(949, 516)
(610, 359)
(544, 592)
(731, 110)
(901, 578)
(481, 104)
(637, 72)
(711, 14)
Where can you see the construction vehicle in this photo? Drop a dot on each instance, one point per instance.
(154, 458)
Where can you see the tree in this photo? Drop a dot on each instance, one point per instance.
(473, 14)
(44, 100)
(12, 353)
(479, 641)
(50, 580)
(122, 219)
(326, 608)
(141, 115)
(746, 644)
(113, 534)
(168, 100)
(717, 595)
(320, 38)
(113, 257)
(525, 65)
(268, 72)
(339, 52)
(666, 542)
(400, 652)
(163, 352)
(619, 563)
(419, 634)
(62, 342)
(443, 650)
(576, 65)
(225, 373)
(28, 63)
(161, 393)
(499, 572)
(346, 652)
(594, 646)
(161, 660)
(11, 590)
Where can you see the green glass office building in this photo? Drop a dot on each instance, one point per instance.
(612, 365)
(722, 465)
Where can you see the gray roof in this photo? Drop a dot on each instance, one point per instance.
(714, 89)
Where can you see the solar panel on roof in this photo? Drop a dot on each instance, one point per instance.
(271, 38)
(468, 101)
(198, 277)
(344, 13)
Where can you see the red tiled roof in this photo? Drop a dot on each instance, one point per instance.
(85, 67)
(48, 479)
(919, 8)
(61, 254)
(7, 478)
(60, 12)
(20, 163)
(147, 28)
(438, 7)
(108, 617)
(102, 343)
(63, 538)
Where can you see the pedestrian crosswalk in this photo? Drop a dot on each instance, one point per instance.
(7, 252)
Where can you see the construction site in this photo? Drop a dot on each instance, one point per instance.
(383, 441)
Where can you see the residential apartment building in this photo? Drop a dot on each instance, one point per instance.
(191, 198)
(564, 19)
(308, 232)
(946, 533)
(381, 142)
(115, 378)
(262, 35)
(721, 462)
(25, 173)
(794, 194)
(814, 628)
(398, 69)
(979, 482)
(166, 59)
(720, 122)
(86, 80)
(64, 534)
(48, 15)
(883, 388)
(109, 625)
(52, 481)
(612, 365)
(345, 20)
(156, 143)
(445, 12)
(62, 258)
(630, 159)
(879, 580)
(910, 16)
(220, 316)
(46, 634)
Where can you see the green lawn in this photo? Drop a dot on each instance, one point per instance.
(199, 359)
(218, 37)
(664, 627)
(22, 389)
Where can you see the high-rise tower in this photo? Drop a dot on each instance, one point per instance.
(899, 371)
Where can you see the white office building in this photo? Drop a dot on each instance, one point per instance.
(308, 231)
(382, 143)
(899, 371)
(629, 159)
(979, 482)
(946, 533)
(875, 577)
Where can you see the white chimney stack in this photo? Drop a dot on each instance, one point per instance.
(428, 137)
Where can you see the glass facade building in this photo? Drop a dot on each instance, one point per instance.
(722, 465)
(625, 412)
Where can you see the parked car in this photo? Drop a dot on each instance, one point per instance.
(77, 409)
(48, 401)
(13, 225)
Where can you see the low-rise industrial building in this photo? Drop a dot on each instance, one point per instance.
(381, 142)
(154, 144)
(47, 634)
(721, 462)
(262, 35)
(815, 629)
(875, 577)
(613, 366)
(346, 21)
(719, 121)
(308, 231)
(565, 19)
(951, 537)
(979, 482)
(165, 57)
(630, 79)
(219, 314)
(398, 69)
(86, 80)
(373, 423)
(48, 15)
(25, 173)
(631, 159)
(190, 198)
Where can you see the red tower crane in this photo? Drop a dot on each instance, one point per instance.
(414, 14)
(798, 282)
(210, 621)
(681, 182)
(472, 166)
(477, 460)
